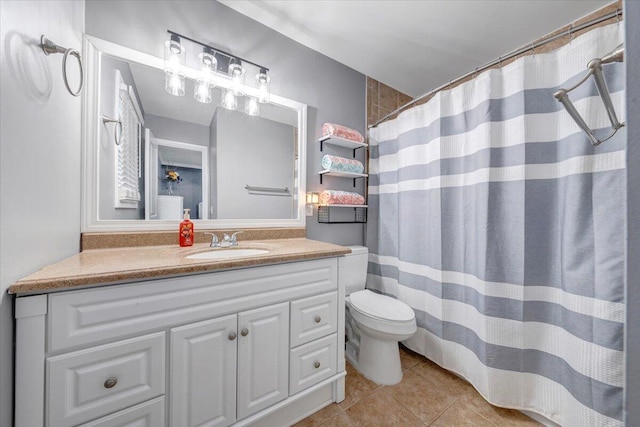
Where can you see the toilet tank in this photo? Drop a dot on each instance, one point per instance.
(353, 271)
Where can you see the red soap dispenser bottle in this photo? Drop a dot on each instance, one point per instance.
(186, 230)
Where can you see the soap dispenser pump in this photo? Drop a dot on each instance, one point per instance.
(186, 230)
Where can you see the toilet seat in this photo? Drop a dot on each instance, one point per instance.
(381, 313)
(381, 307)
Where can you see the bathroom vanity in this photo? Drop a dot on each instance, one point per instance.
(248, 341)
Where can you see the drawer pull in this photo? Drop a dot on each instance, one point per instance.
(232, 336)
(244, 332)
(110, 382)
(316, 364)
(318, 319)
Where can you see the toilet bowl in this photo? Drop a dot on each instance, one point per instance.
(375, 323)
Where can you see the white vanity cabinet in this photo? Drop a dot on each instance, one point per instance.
(253, 346)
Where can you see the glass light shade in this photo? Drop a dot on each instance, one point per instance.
(236, 72)
(263, 86)
(174, 55)
(202, 92)
(251, 106)
(229, 100)
(174, 83)
(208, 67)
(313, 198)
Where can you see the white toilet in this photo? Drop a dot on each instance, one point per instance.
(374, 323)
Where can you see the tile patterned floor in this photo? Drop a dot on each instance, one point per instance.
(427, 396)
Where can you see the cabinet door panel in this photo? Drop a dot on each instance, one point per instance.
(263, 358)
(203, 373)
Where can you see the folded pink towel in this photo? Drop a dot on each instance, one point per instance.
(330, 129)
(336, 197)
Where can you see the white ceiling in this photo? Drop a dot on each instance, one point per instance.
(414, 46)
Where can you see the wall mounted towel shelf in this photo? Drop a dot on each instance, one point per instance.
(359, 214)
(341, 142)
(342, 175)
(341, 213)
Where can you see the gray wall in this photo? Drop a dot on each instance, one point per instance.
(632, 338)
(177, 130)
(333, 92)
(253, 151)
(39, 155)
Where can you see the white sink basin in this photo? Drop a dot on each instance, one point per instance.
(216, 254)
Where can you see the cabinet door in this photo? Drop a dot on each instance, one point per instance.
(263, 358)
(203, 373)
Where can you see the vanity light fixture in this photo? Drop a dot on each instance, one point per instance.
(229, 100)
(174, 61)
(206, 80)
(263, 86)
(251, 106)
(203, 71)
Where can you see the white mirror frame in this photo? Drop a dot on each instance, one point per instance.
(94, 48)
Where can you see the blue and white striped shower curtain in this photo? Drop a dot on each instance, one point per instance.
(497, 221)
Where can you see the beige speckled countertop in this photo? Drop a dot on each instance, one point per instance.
(117, 265)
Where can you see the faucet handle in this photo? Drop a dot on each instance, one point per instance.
(234, 242)
(215, 243)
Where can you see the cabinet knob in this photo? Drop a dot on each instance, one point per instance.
(316, 364)
(318, 319)
(232, 336)
(110, 382)
(244, 332)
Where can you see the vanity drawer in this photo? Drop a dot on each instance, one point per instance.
(313, 318)
(312, 363)
(147, 414)
(114, 312)
(88, 384)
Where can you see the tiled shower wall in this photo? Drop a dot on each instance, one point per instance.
(382, 99)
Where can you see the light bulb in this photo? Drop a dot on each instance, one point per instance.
(174, 83)
(229, 100)
(202, 92)
(263, 86)
(251, 106)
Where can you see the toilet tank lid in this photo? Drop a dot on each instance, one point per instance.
(358, 250)
(381, 306)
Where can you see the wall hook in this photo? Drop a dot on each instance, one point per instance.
(49, 47)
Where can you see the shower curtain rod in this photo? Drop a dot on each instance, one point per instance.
(516, 52)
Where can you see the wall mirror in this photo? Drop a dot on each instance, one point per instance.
(149, 154)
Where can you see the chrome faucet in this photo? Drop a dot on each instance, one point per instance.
(215, 243)
(230, 241)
